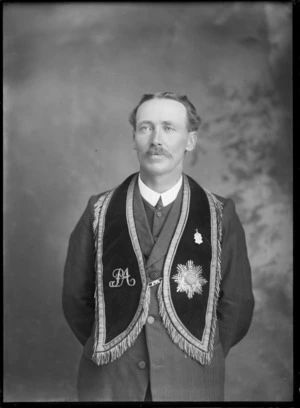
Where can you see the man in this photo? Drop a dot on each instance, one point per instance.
(157, 282)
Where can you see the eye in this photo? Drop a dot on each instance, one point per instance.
(169, 129)
(145, 128)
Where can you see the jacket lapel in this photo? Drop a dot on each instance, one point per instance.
(141, 223)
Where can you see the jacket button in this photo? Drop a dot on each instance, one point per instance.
(154, 275)
(150, 320)
(142, 365)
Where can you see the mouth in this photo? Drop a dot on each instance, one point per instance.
(156, 157)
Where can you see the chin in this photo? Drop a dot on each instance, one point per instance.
(154, 169)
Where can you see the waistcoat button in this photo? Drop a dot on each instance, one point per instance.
(158, 213)
(150, 320)
(154, 275)
(142, 365)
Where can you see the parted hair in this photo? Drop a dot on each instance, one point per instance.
(193, 118)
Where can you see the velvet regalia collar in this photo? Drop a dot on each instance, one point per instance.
(189, 290)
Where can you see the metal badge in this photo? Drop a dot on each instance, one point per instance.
(155, 282)
(189, 279)
(198, 237)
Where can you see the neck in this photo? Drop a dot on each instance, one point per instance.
(160, 183)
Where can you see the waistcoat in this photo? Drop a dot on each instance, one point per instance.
(189, 289)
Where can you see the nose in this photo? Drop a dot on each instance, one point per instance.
(156, 136)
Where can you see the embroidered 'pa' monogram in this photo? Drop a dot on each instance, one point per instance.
(120, 276)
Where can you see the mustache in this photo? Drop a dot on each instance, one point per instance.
(158, 150)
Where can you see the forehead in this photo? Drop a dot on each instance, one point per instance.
(160, 110)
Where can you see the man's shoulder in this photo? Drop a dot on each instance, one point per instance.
(227, 204)
(98, 196)
(222, 199)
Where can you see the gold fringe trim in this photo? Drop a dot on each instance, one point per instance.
(104, 357)
(202, 356)
(105, 353)
(97, 207)
(219, 216)
(191, 350)
(98, 226)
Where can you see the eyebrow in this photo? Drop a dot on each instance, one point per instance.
(148, 122)
(166, 122)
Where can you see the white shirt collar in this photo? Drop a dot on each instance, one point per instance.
(152, 196)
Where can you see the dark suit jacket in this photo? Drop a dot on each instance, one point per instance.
(173, 375)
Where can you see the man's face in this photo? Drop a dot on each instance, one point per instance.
(161, 136)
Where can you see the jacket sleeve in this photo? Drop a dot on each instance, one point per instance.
(79, 276)
(236, 301)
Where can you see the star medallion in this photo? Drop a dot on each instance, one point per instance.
(189, 279)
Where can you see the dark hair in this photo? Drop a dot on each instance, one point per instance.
(194, 119)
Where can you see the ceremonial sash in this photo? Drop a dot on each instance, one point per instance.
(189, 290)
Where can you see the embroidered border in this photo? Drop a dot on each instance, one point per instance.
(99, 226)
(216, 208)
(103, 353)
(200, 350)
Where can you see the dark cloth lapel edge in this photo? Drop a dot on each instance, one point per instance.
(141, 222)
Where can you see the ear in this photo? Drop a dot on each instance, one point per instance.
(192, 141)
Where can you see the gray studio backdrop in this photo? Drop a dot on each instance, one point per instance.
(72, 74)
